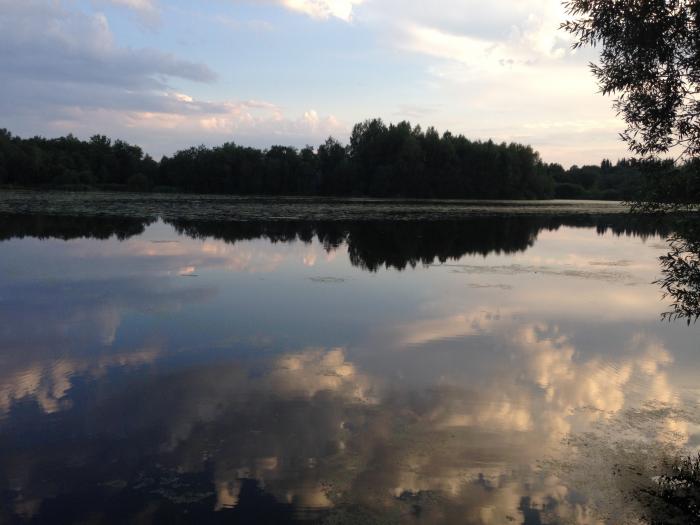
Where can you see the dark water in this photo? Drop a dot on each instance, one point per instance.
(344, 369)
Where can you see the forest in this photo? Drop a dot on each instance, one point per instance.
(395, 160)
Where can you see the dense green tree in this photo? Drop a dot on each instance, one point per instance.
(395, 160)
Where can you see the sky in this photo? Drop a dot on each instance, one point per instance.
(169, 74)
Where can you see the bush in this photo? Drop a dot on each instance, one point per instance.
(568, 190)
(138, 182)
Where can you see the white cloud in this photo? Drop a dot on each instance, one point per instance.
(177, 118)
(136, 5)
(317, 370)
(474, 322)
(478, 55)
(147, 10)
(49, 382)
(528, 26)
(324, 9)
(504, 70)
(48, 43)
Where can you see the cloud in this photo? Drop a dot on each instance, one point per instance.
(324, 9)
(61, 65)
(320, 370)
(468, 30)
(146, 6)
(474, 322)
(164, 122)
(318, 9)
(49, 43)
(464, 452)
(504, 70)
(146, 10)
(64, 73)
(48, 382)
(85, 325)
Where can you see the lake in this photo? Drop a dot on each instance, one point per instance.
(177, 359)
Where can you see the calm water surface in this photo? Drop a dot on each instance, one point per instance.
(349, 371)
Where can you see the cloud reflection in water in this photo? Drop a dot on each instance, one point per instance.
(389, 394)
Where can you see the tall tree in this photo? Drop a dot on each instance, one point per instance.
(650, 59)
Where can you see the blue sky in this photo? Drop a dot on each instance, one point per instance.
(167, 74)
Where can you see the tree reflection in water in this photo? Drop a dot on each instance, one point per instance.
(681, 272)
(371, 244)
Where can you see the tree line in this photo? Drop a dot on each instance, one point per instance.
(395, 160)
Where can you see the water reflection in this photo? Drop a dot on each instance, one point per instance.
(370, 244)
(257, 372)
(55, 330)
(681, 272)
